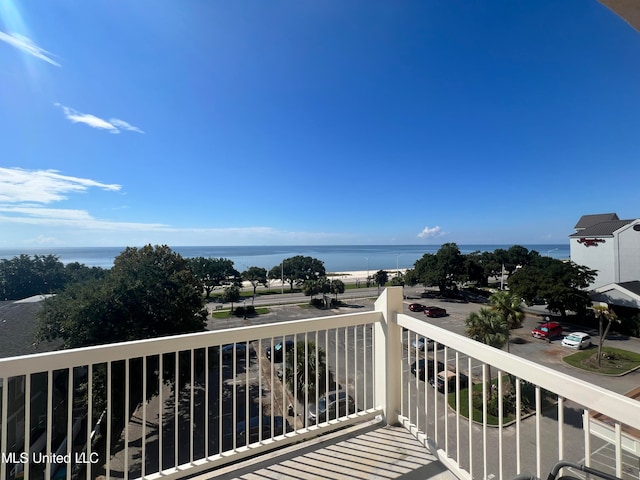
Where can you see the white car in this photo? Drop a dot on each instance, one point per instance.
(577, 340)
(421, 342)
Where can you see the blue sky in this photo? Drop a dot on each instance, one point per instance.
(314, 122)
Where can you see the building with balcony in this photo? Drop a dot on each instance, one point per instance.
(182, 406)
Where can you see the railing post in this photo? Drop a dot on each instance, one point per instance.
(388, 354)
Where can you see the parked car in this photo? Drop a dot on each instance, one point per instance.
(416, 307)
(330, 404)
(280, 427)
(447, 376)
(418, 368)
(578, 340)
(240, 348)
(278, 350)
(547, 330)
(435, 312)
(421, 342)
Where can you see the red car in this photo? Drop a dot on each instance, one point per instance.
(435, 312)
(416, 307)
(547, 330)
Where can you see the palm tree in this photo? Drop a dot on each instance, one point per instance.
(604, 313)
(305, 367)
(509, 306)
(488, 327)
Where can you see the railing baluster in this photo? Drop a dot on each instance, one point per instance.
(618, 446)
(108, 420)
(586, 421)
(560, 427)
(355, 364)
(365, 404)
(69, 421)
(295, 378)
(220, 411)
(160, 410)
(176, 389)
(27, 425)
(470, 416)
(191, 401)
(317, 389)
(458, 406)
(446, 397)
(518, 418)
(144, 416)
(538, 434)
(500, 423)
(127, 417)
(234, 389)
(260, 412)
(89, 419)
(337, 369)
(346, 369)
(4, 426)
(327, 385)
(306, 374)
(484, 418)
(435, 390)
(246, 396)
(271, 396)
(206, 402)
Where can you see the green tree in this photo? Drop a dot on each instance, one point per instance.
(302, 369)
(25, 276)
(310, 288)
(381, 277)
(214, 273)
(256, 276)
(509, 307)
(231, 295)
(443, 269)
(149, 292)
(298, 269)
(337, 287)
(473, 269)
(562, 285)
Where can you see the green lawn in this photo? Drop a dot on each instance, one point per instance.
(509, 401)
(227, 313)
(615, 361)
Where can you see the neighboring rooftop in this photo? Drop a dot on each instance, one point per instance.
(601, 229)
(18, 324)
(587, 221)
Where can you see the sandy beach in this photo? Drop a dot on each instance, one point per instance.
(347, 277)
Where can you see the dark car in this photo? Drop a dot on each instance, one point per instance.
(280, 427)
(450, 379)
(417, 368)
(240, 348)
(278, 350)
(330, 406)
(435, 312)
(416, 307)
(547, 330)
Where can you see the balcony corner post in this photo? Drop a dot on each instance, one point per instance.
(388, 354)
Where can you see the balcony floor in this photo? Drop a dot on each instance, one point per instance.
(370, 452)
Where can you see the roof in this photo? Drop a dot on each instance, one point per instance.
(629, 10)
(601, 229)
(590, 220)
(633, 287)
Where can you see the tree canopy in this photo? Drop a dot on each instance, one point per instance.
(298, 269)
(562, 285)
(443, 269)
(214, 272)
(255, 276)
(149, 292)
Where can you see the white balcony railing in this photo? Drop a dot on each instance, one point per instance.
(175, 406)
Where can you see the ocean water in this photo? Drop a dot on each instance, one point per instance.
(336, 258)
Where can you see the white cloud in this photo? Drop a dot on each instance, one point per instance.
(43, 186)
(431, 232)
(26, 45)
(113, 125)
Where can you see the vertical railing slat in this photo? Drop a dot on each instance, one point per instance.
(69, 421)
(127, 384)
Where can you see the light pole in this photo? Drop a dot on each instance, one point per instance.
(282, 277)
(367, 270)
(549, 251)
(397, 266)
